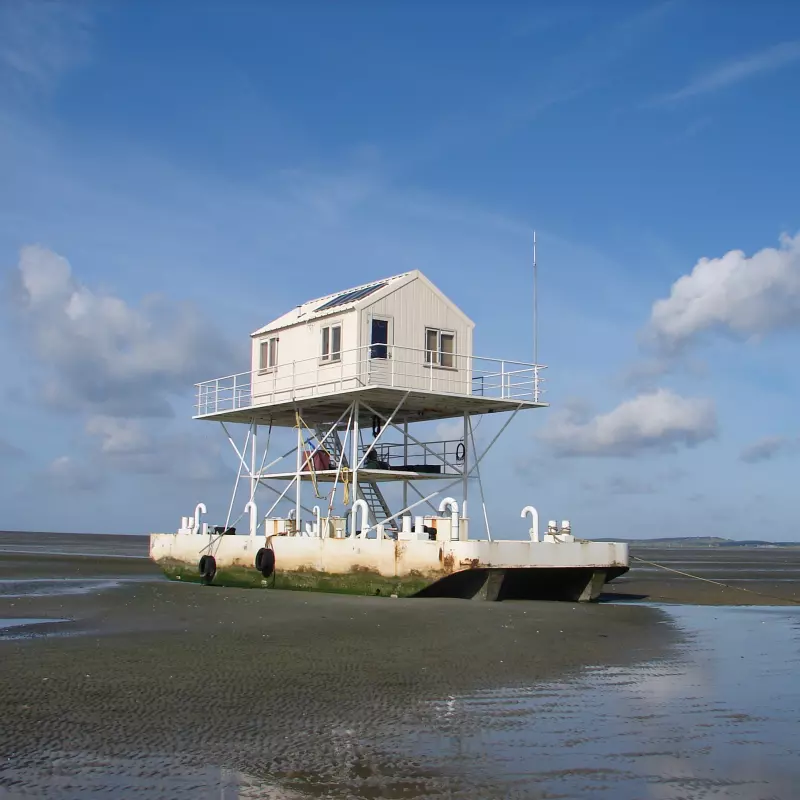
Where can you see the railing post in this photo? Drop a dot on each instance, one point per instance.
(235, 403)
(502, 379)
(216, 395)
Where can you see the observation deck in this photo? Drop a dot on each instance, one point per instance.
(382, 381)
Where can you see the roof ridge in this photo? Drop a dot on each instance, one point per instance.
(353, 289)
(344, 297)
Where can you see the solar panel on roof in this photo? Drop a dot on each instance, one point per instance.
(351, 296)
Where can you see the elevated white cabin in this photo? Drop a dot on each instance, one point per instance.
(400, 331)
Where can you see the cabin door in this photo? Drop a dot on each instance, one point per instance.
(380, 339)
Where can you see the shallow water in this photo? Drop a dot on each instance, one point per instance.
(53, 587)
(18, 622)
(718, 720)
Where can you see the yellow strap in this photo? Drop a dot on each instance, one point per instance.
(346, 483)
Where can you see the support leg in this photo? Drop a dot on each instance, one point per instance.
(253, 476)
(354, 462)
(491, 586)
(405, 462)
(464, 531)
(297, 506)
(594, 587)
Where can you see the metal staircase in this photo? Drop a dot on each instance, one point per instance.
(368, 491)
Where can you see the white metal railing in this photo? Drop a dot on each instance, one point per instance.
(446, 457)
(394, 366)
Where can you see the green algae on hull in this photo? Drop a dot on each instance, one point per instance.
(357, 582)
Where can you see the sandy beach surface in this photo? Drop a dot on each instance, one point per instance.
(115, 682)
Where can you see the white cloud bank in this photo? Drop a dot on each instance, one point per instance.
(653, 421)
(125, 445)
(101, 355)
(734, 294)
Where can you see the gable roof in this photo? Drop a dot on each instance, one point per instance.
(348, 300)
(332, 303)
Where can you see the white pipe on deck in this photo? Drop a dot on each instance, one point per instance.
(361, 504)
(199, 509)
(253, 509)
(534, 530)
(449, 501)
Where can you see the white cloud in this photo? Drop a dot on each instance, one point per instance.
(118, 437)
(768, 447)
(103, 356)
(734, 294)
(653, 421)
(67, 474)
(735, 71)
(623, 484)
(40, 40)
(450, 430)
(619, 484)
(125, 445)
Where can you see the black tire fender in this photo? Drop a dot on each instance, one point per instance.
(265, 561)
(207, 568)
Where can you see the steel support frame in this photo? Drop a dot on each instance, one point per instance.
(470, 467)
(458, 479)
(408, 436)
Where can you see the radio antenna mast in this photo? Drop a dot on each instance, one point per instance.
(535, 307)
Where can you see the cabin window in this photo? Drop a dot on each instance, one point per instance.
(269, 353)
(332, 343)
(440, 348)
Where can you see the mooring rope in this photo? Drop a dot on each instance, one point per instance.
(711, 580)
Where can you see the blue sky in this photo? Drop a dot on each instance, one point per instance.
(191, 173)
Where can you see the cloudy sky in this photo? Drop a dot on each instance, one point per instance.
(172, 180)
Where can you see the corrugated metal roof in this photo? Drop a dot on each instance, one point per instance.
(330, 304)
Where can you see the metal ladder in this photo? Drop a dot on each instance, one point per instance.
(368, 491)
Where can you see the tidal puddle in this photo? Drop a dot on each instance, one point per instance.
(24, 622)
(54, 587)
(72, 776)
(720, 720)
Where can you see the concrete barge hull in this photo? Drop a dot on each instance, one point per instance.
(466, 569)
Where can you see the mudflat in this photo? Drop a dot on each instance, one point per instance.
(302, 692)
(266, 682)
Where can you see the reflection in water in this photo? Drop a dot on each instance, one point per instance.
(78, 775)
(22, 622)
(719, 721)
(49, 587)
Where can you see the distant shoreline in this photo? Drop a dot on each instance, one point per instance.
(666, 541)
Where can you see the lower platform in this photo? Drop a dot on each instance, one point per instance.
(477, 569)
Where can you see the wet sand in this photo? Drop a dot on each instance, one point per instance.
(160, 689)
